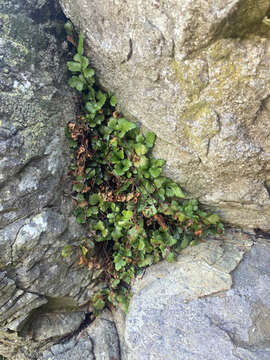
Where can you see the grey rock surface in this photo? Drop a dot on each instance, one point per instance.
(43, 296)
(208, 305)
(197, 74)
(98, 341)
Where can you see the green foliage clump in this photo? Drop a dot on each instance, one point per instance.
(136, 216)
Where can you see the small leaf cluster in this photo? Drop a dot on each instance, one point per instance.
(136, 215)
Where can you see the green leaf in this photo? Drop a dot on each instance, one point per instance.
(113, 101)
(180, 216)
(157, 162)
(99, 305)
(94, 199)
(91, 107)
(160, 181)
(124, 126)
(75, 82)
(115, 283)
(155, 172)
(90, 173)
(142, 163)
(122, 167)
(77, 57)
(171, 240)
(74, 66)
(81, 218)
(68, 27)
(116, 233)
(141, 245)
(88, 73)
(148, 260)
(93, 210)
(84, 62)
(161, 194)
(150, 139)
(140, 149)
(66, 251)
(84, 250)
(186, 240)
(117, 156)
(127, 214)
(174, 190)
(149, 186)
(123, 302)
(101, 98)
(124, 187)
(99, 226)
(140, 138)
(77, 187)
(212, 219)
(119, 262)
(80, 44)
(112, 124)
(150, 211)
(170, 257)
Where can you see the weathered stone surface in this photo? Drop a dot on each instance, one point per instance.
(104, 337)
(179, 312)
(43, 296)
(197, 73)
(98, 341)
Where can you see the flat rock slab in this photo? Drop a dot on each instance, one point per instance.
(195, 309)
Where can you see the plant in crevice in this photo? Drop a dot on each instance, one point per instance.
(136, 216)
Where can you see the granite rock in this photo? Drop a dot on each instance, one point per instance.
(197, 74)
(218, 308)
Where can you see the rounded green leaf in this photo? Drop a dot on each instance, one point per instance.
(113, 101)
(74, 66)
(140, 149)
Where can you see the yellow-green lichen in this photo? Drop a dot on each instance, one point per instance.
(200, 124)
(188, 75)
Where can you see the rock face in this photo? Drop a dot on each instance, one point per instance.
(195, 309)
(42, 295)
(98, 341)
(196, 73)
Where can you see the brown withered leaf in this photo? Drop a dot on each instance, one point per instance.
(135, 158)
(198, 232)
(71, 40)
(71, 126)
(83, 204)
(116, 114)
(80, 169)
(159, 218)
(130, 196)
(82, 260)
(90, 265)
(80, 151)
(74, 202)
(86, 189)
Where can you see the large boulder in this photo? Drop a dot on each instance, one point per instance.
(206, 306)
(43, 296)
(197, 74)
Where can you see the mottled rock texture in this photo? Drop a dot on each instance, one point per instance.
(97, 341)
(43, 296)
(196, 72)
(202, 307)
